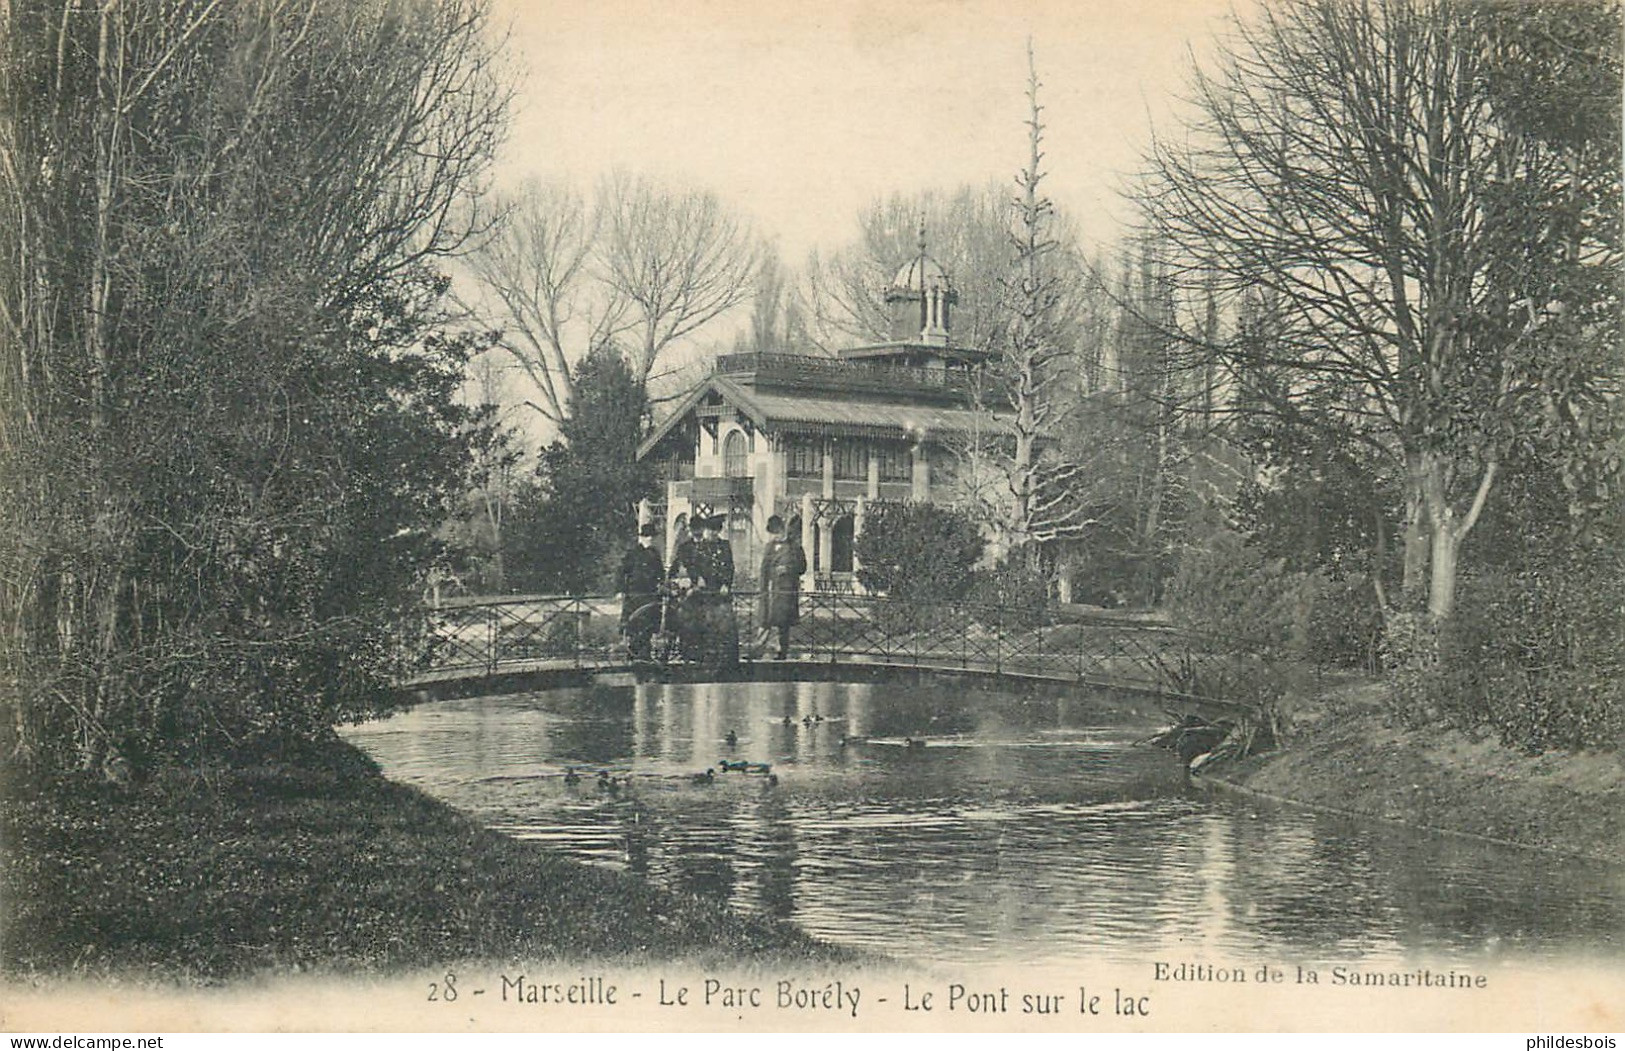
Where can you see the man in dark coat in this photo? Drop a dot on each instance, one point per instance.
(639, 585)
(779, 606)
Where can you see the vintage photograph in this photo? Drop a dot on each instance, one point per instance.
(868, 516)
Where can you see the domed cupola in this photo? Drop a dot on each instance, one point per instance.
(919, 299)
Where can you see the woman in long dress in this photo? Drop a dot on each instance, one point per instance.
(711, 631)
(721, 642)
(779, 606)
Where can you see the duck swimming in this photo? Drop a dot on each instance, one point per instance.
(571, 777)
(706, 778)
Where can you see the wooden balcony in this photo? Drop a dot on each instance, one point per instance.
(718, 491)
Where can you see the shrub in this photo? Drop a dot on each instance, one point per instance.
(1250, 619)
(918, 552)
(1268, 689)
(1533, 654)
(1346, 624)
(1230, 591)
(1538, 652)
(1015, 587)
(1432, 673)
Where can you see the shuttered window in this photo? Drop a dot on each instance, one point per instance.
(735, 455)
(851, 461)
(804, 458)
(896, 461)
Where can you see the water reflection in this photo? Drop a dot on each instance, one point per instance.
(1028, 827)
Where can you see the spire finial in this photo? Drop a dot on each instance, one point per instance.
(922, 233)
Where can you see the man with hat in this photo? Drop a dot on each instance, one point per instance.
(639, 584)
(779, 605)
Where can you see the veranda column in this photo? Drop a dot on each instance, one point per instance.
(826, 544)
(769, 482)
(807, 539)
(857, 531)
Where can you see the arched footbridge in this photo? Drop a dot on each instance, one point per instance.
(490, 643)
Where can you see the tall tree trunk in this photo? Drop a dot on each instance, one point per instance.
(1414, 583)
(1149, 548)
(1442, 582)
(1021, 470)
(106, 574)
(493, 516)
(1448, 531)
(1379, 561)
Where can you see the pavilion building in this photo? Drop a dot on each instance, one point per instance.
(821, 440)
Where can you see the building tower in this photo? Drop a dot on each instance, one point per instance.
(920, 299)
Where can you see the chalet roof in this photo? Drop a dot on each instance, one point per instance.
(877, 379)
(896, 348)
(797, 414)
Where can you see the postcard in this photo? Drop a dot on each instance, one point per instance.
(932, 517)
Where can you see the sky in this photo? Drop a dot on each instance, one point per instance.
(800, 114)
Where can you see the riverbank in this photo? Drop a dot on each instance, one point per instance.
(317, 862)
(1344, 757)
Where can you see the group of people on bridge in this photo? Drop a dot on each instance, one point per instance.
(689, 603)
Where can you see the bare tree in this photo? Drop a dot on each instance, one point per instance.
(1033, 349)
(496, 463)
(1029, 488)
(967, 232)
(679, 259)
(642, 266)
(777, 321)
(538, 264)
(1345, 159)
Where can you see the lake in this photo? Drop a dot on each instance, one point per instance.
(1031, 826)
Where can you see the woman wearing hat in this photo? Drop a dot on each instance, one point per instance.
(710, 602)
(639, 582)
(683, 615)
(779, 605)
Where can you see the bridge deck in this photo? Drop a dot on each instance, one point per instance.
(1094, 668)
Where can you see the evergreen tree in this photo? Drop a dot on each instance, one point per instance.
(576, 520)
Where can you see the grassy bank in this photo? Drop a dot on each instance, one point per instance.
(1344, 756)
(308, 862)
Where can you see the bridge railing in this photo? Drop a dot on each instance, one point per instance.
(485, 636)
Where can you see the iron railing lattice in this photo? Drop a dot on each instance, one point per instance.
(486, 636)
